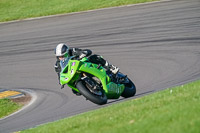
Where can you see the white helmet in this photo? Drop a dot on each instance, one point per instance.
(62, 50)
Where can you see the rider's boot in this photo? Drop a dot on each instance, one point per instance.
(62, 86)
(112, 68)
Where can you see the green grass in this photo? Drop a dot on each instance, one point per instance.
(7, 107)
(175, 110)
(21, 9)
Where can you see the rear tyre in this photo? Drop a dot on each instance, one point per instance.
(129, 90)
(98, 99)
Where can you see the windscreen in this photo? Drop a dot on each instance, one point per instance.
(63, 63)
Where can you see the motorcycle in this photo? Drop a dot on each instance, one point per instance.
(94, 82)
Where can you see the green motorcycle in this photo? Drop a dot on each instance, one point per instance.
(94, 82)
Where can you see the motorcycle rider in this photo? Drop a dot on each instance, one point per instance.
(62, 52)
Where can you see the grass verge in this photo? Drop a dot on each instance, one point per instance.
(21, 9)
(7, 107)
(174, 110)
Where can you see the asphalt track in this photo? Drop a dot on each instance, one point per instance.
(157, 45)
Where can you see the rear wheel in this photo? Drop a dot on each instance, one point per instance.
(130, 88)
(94, 95)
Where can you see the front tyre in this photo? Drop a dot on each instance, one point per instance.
(98, 99)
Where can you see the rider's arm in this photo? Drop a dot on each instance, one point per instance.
(81, 52)
(87, 52)
(58, 69)
(57, 66)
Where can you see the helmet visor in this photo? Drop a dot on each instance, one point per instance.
(66, 55)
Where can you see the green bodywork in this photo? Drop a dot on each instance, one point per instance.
(72, 71)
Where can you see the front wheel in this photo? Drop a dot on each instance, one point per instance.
(95, 98)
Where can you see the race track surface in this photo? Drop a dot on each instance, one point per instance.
(157, 45)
